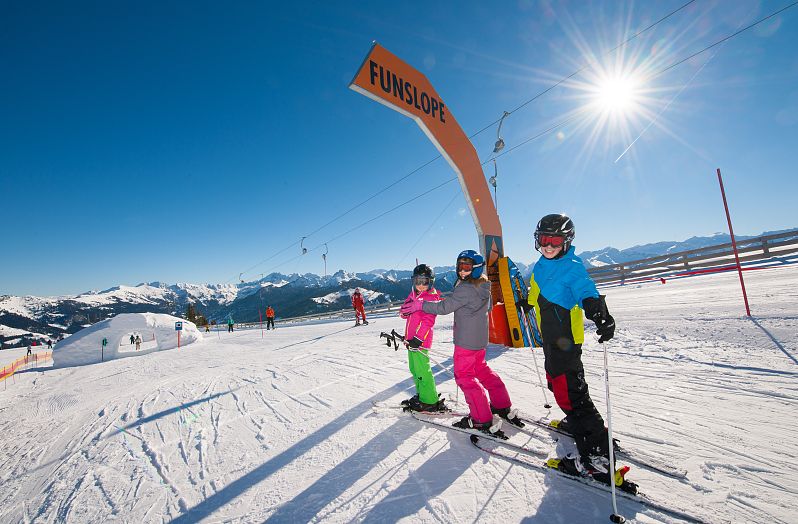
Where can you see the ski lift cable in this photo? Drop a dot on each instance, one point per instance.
(356, 206)
(370, 220)
(424, 234)
(540, 134)
(746, 28)
(568, 77)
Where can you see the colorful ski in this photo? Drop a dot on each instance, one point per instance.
(621, 453)
(639, 497)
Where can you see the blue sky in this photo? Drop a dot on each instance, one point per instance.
(193, 141)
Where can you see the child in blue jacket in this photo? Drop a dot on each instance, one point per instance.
(560, 288)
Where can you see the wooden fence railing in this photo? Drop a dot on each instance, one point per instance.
(779, 247)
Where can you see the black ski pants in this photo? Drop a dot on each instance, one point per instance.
(269, 322)
(565, 373)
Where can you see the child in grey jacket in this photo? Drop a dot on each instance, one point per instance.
(482, 387)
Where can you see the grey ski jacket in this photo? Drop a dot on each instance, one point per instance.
(470, 305)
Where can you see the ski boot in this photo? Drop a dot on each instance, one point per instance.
(365, 322)
(561, 424)
(509, 414)
(416, 405)
(492, 428)
(410, 400)
(596, 445)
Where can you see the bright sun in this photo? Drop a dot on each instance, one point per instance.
(617, 95)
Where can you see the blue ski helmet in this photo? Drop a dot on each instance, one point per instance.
(476, 259)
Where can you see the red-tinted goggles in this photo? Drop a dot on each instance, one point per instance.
(550, 240)
(464, 266)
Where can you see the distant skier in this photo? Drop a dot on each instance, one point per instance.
(230, 324)
(138, 342)
(357, 303)
(470, 302)
(269, 318)
(29, 351)
(418, 339)
(49, 344)
(559, 285)
(132, 339)
(207, 328)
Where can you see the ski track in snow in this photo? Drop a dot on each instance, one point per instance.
(242, 428)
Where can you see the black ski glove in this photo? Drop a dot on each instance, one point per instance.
(596, 310)
(414, 343)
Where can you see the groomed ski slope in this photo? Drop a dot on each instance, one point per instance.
(240, 428)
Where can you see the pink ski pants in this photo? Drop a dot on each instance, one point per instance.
(474, 377)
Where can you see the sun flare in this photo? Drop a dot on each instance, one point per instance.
(617, 95)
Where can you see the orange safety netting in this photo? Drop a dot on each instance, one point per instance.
(9, 370)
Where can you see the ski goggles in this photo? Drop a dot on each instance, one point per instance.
(422, 281)
(551, 240)
(465, 265)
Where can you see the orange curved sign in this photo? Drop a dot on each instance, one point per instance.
(386, 78)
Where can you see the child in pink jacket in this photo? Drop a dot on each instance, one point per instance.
(418, 339)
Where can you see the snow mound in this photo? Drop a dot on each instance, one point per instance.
(157, 331)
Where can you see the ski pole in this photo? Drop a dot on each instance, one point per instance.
(616, 517)
(457, 389)
(392, 338)
(540, 380)
(528, 326)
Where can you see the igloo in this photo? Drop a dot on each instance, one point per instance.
(157, 333)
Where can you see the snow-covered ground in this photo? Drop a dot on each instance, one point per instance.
(246, 427)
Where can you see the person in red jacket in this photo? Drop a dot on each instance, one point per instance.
(357, 303)
(269, 318)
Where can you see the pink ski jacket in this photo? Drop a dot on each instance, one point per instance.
(420, 324)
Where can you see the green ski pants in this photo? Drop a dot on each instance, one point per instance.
(422, 376)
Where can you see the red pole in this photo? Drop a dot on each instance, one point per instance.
(261, 323)
(734, 244)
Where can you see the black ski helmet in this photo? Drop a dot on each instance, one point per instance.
(424, 271)
(556, 225)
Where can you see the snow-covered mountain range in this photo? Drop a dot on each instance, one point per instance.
(22, 318)
(30, 317)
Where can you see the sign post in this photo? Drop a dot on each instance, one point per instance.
(102, 350)
(387, 79)
(178, 328)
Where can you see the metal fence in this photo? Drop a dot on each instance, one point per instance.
(776, 248)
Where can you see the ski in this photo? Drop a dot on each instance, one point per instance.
(398, 408)
(504, 441)
(620, 452)
(592, 482)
